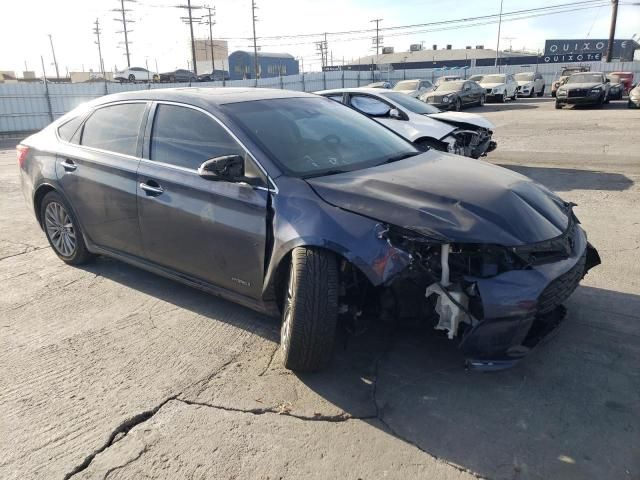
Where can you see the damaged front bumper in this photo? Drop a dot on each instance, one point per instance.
(497, 319)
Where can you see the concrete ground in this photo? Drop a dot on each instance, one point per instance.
(109, 371)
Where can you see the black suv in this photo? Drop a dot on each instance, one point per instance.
(587, 88)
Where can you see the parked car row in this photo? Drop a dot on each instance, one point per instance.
(304, 208)
(139, 74)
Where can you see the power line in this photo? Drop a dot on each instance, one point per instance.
(255, 44)
(96, 31)
(124, 20)
(211, 22)
(189, 8)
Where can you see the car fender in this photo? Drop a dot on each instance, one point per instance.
(301, 218)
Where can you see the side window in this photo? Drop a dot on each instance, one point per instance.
(369, 105)
(114, 128)
(337, 97)
(69, 131)
(185, 137)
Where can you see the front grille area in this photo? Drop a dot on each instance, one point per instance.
(435, 99)
(578, 92)
(562, 287)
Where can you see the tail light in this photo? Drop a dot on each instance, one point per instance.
(21, 152)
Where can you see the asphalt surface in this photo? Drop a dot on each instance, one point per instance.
(109, 371)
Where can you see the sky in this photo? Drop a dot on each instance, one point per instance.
(160, 36)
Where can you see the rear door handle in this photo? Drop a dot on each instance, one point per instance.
(152, 190)
(68, 165)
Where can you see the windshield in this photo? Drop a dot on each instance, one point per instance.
(412, 104)
(406, 85)
(449, 86)
(524, 77)
(310, 137)
(585, 78)
(493, 79)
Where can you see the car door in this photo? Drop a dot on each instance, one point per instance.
(468, 94)
(374, 108)
(212, 231)
(98, 175)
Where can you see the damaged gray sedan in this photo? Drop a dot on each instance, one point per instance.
(302, 208)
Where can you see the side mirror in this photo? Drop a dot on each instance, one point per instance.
(395, 113)
(608, 80)
(225, 168)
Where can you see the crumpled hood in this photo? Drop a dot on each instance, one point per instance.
(450, 197)
(462, 117)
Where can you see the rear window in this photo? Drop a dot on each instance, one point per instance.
(114, 128)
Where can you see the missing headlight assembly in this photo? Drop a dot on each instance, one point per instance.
(496, 302)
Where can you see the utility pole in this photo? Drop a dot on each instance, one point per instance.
(377, 37)
(612, 29)
(255, 44)
(211, 22)
(96, 30)
(55, 62)
(498, 45)
(124, 20)
(189, 8)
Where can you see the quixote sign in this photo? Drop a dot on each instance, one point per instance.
(573, 57)
(586, 50)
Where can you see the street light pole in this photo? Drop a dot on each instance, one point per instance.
(612, 29)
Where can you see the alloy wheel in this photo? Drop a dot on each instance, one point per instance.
(60, 229)
(285, 329)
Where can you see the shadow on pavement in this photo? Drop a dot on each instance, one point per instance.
(568, 411)
(566, 179)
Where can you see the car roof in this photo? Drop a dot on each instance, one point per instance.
(355, 89)
(202, 96)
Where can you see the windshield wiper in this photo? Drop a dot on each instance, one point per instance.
(399, 157)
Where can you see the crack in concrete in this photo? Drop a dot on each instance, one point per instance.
(273, 355)
(340, 417)
(129, 462)
(123, 428)
(23, 252)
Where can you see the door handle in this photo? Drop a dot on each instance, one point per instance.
(68, 165)
(151, 190)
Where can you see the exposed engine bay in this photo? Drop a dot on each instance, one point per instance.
(470, 143)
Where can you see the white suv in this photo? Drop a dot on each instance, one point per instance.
(498, 86)
(530, 84)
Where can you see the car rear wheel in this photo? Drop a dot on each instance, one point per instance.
(62, 230)
(310, 311)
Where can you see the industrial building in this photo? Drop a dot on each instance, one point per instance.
(220, 57)
(242, 65)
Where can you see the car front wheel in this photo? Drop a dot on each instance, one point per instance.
(310, 310)
(62, 230)
(132, 78)
(541, 92)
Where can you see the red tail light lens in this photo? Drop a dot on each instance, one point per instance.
(21, 152)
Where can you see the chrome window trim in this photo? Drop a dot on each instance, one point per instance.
(226, 129)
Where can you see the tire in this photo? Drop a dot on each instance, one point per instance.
(606, 99)
(502, 98)
(132, 78)
(558, 105)
(310, 312)
(541, 92)
(481, 101)
(57, 217)
(458, 105)
(515, 96)
(553, 93)
(533, 89)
